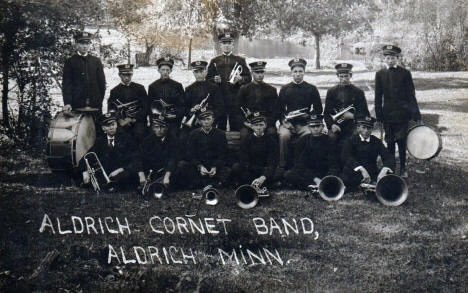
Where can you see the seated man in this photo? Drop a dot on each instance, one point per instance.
(315, 157)
(115, 151)
(206, 153)
(360, 154)
(159, 152)
(259, 154)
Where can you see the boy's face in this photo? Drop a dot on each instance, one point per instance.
(164, 71)
(364, 130)
(110, 129)
(83, 47)
(206, 122)
(297, 74)
(226, 47)
(159, 130)
(345, 78)
(126, 77)
(316, 129)
(258, 75)
(199, 74)
(390, 60)
(259, 128)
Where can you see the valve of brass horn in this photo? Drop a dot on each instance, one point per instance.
(390, 190)
(97, 174)
(330, 188)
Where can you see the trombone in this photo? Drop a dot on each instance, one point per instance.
(390, 190)
(330, 188)
(190, 121)
(338, 117)
(97, 174)
(154, 187)
(211, 196)
(236, 71)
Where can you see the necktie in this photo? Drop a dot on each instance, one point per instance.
(111, 142)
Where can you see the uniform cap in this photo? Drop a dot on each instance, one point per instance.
(83, 37)
(391, 50)
(365, 120)
(297, 62)
(258, 66)
(165, 61)
(343, 67)
(199, 64)
(108, 118)
(125, 68)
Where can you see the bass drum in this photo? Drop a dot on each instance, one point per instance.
(423, 142)
(70, 138)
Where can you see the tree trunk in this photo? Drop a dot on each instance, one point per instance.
(6, 52)
(149, 51)
(317, 51)
(189, 54)
(128, 52)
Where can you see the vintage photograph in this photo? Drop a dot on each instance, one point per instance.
(234, 146)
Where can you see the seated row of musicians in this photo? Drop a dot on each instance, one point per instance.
(203, 159)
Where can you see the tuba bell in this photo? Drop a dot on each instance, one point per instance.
(390, 190)
(97, 174)
(331, 188)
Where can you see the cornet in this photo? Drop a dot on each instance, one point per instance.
(211, 196)
(296, 113)
(338, 117)
(331, 188)
(391, 190)
(97, 174)
(248, 195)
(236, 71)
(154, 188)
(190, 122)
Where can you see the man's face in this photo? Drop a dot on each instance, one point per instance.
(83, 47)
(206, 122)
(258, 75)
(364, 130)
(126, 77)
(199, 74)
(110, 129)
(164, 71)
(345, 78)
(259, 128)
(316, 129)
(390, 60)
(226, 47)
(159, 130)
(297, 74)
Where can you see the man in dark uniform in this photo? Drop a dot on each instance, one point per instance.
(169, 91)
(316, 157)
(115, 150)
(340, 97)
(207, 153)
(395, 103)
(84, 83)
(360, 154)
(219, 71)
(296, 95)
(258, 155)
(132, 117)
(258, 96)
(159, 151)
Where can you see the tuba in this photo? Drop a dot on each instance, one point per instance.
(331, 188)
(338, 116)
(154, 187)
(248, 195)
(236, 71)
(97, 174)
(211, 196)
(391, 190)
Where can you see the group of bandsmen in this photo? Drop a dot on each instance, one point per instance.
(180, 135)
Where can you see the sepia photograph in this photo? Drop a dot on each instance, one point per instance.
(233, 146)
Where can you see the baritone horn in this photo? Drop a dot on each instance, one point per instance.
(248, 195)
(330, 188)
(211, 196)
(97, 174)
(391, 190)
(154, 187)
(338, 117)
(236, 71)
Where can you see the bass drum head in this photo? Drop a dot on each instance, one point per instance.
(85, 138)
(423, 142)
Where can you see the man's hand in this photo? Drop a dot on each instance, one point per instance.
(259, 181)
(237, 79)
(335, 128)
(212, 172)
(116, 172)
(166, 179)
(348, 116)
(217, 79)
(141, 177)
(124, 122)
(317, 180)
(171, 116)
(195, 108)
(86, 177)
(365, 175)
(67, 108)
(384, 172)
(203, 171)
(248, 125)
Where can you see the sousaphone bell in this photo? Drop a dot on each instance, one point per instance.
(330, 188)
(390, 190)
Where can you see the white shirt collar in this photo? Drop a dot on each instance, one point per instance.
(227, 54)
(254, 133)
(362, 138)
(206, 131)
(298, 82)
(82, 55)
(394, 66)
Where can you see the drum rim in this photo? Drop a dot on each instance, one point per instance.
(439, 137)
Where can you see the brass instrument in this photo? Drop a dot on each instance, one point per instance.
(190, 121)
(129, 109)
(330, 188)
(97, 174)
(160, 107)
(154, 187)
(391, 190)
(248, 195)
(296, 113)
(246, 112)
(236, 71)
(338, 117)
(211, 196)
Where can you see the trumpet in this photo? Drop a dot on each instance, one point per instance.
(190, 121)
(338, 117)
(211, 196)
(236, 71)
(97, 174)
(330, 188)
(248, 195)
(390, 190)
(154, 187)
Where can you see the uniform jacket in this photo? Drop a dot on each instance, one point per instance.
(296, 96)
(197, 92)
(155, 153)
(83, 77)
(209, 150)
(395, 99)
(222, 65)
(316, 153)
(260, 97)
(260, 153)
(126, 94)
(170, 91)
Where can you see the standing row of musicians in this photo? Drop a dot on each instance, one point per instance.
(232, 98)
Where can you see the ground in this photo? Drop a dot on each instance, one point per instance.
(355, 244)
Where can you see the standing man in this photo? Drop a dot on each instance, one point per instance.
(296, 95)
(395, 103)
(338, 99)
(170, 92)
(84, 83)
(219, 71)
(258, 96)
(133, 95)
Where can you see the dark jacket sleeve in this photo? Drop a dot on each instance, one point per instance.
(328, 111)
(101, 78)
(318, 109)
(300, 154)
(244, 153)
(212, 70)
(191, 149)
(143, 99)
(347, 154)
(174, 154)
(273, 156)
(378, 97)
(67, 83)
(222, 150)
(361, 103)
(332, 158)
(413, 104)
(246, 76)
